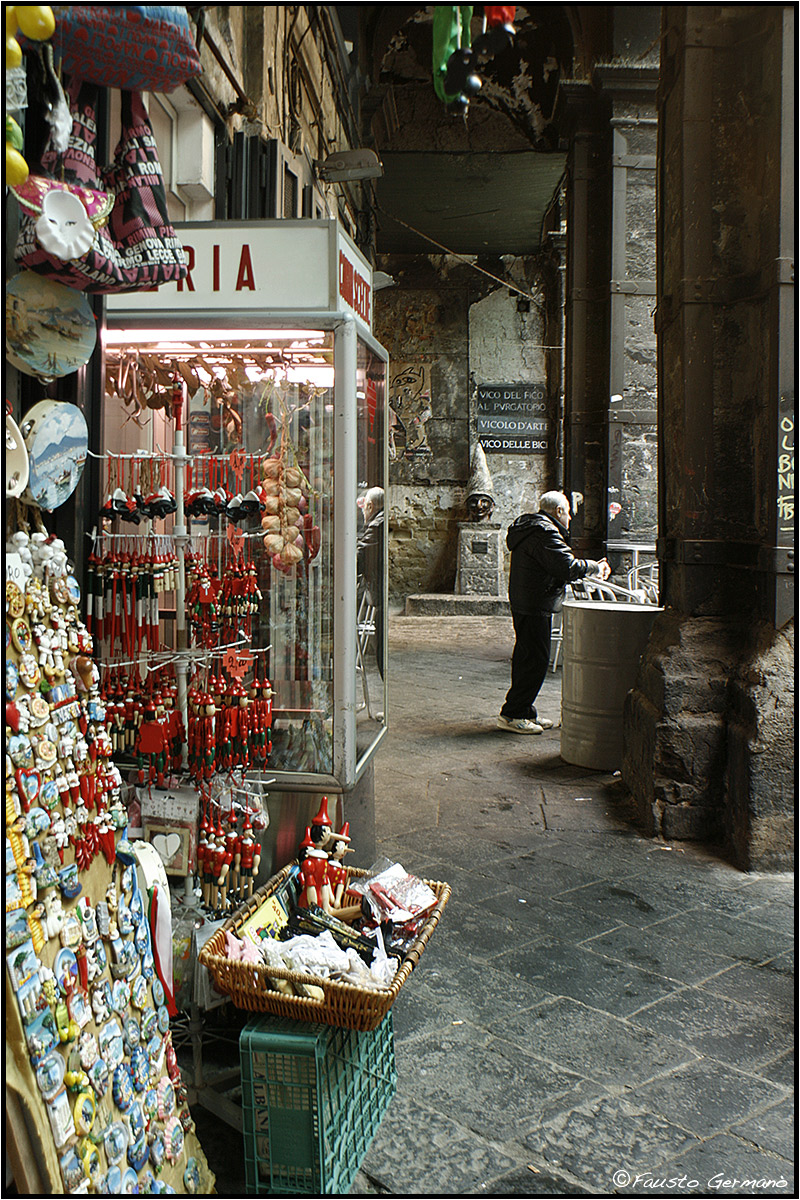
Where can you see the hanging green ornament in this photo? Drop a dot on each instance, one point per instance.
(454, 77)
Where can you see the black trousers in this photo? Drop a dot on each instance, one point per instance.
(529, 663)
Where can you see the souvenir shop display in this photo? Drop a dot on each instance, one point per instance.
(99, 230)
(323, 942)
(82, 967)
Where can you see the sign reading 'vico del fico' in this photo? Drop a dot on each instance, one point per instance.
(512, 418)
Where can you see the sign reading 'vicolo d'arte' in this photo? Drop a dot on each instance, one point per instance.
(512, 418)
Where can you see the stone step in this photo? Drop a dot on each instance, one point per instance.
(451, 605)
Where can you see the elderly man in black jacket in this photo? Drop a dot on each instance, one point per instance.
(542, 565)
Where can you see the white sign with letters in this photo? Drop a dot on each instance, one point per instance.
(272, 266)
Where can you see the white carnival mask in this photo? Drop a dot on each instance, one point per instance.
(64, 229)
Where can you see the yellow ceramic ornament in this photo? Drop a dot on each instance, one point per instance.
(13, 52)
(16, 167)
(36, 21)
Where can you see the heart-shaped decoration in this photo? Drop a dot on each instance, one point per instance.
(12, 717)
(28, 785)
(167, 846)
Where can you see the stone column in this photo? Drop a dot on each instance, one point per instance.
(709, 727)
(632, 480)
(584, 120)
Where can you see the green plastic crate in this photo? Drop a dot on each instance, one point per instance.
(313, 1097)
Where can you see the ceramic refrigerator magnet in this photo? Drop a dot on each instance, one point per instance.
(57, 439)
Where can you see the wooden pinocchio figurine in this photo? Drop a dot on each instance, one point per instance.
(322, 827)
(315, 888)
(247, 860)
(337, 871)
(337, 877)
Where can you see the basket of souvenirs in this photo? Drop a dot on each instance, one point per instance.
(336, 952)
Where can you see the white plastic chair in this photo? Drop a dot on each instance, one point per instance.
(644, 577)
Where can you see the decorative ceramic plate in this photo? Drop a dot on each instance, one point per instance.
(57, 439)
(51, 330)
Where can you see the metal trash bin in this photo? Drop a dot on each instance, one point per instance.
(602, 644)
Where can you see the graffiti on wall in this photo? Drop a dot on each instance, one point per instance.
(409, 410)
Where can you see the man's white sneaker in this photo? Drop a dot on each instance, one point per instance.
(545, 722)
(519, 725)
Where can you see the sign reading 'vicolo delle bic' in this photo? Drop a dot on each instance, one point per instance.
(512, 418)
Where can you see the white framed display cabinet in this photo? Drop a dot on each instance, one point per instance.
(270, 336)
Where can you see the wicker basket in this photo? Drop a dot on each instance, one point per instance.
(250, 985)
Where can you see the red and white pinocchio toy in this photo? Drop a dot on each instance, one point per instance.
(315, 888)
(247, 859)
(322, 827)
(337, 871)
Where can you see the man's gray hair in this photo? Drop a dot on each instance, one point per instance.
(551, 502)
(374, 497)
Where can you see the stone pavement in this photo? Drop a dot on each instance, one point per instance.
(597, 1013)
(594, 1006)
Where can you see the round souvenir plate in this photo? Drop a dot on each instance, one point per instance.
(16, 460)
(158, 992)
(51, 330)
(57, 438)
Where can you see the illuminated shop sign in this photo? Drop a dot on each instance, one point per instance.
(272, 266)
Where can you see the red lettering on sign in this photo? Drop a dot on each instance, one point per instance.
(354, 288)
(345, 279)
(189, 251)
(246, 277)
(215, 282)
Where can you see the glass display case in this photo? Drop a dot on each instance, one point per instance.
(264, 393)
